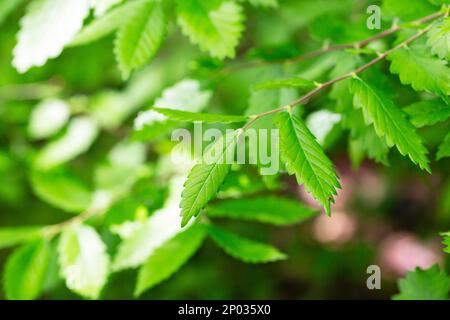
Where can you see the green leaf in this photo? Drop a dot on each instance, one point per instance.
(107, 23)
(25, 271)
(430, 284)
(169, 258)
(273, 210)
(147, 237)
(140, 37)
(15, 235)
(368, 142)
(78, 138)
(389, 122)
(61, 189)
(7, 7)
(263, 3)
(215, 25)
(185, 95)
(47, 27)
(246, 250)
(102, 6)
(428, 113)
(265, 100)
(306, 159)
(47, 118)
(422, 72)
(187, 116)
(296, 82)
(446, 241)
(83, 260)
(439, 39)
(444, 148)
(407, 9)
(205, 178)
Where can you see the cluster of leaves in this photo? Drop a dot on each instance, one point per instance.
(137, 199)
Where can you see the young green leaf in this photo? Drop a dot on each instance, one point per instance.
(205, 178)
(428, 113)
(107, 23)
(47, 27)
(25, 271)
(169, 258)
(273, 210)
(306, 159)
(444, 148)
(15, 235)
(214, 25)
(187, 116)
(296, 82)
(439, 39)
(389, 122)
(430, 284)
(241, 248)
(83, 260)
(140, 37)
(61, 189)
(422, 72)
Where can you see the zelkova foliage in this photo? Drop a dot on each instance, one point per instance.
(134, 206)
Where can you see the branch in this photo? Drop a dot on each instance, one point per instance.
(326, 49)
(305, 99)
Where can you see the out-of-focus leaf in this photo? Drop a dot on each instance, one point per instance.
(407, 10)
(169, 258)
(47, 118)
(444, 148)
(248, 251)
(106, 24)
(321, 123)
(15, 235)
(101, 6)
(47, 27)
(428, 113)
(149, 235)
(185, 95)
(83, 260)
(216, 26)
(430, 284)
(7, 7)
(439, 39)
(180, 115)
(25, 271)
(61, 189)
(80, 135)
(273, 210)
(296, 82)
